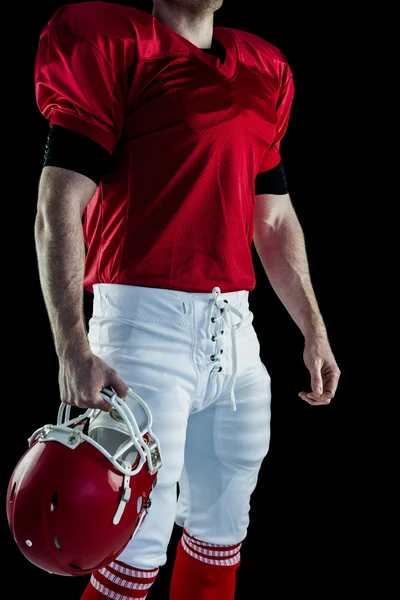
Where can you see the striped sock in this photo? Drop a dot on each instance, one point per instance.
(204, 571)
(118, 581)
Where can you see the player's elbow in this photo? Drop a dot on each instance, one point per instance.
(271, 212)
(62, 198)
(63, 194)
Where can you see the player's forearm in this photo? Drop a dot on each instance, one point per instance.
(61, 254)
(283, 255)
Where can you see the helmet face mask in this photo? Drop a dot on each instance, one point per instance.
(81, 491)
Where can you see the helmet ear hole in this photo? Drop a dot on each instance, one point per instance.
(58, 543)
(75, 567)
(13, 492)
(54, 502)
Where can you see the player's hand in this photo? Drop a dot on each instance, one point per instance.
(83, 376)
(324, 371)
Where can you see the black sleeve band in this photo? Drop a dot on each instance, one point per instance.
(272, 181)
(70, 150)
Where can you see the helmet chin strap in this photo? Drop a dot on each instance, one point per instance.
(125, 497)
(127, 492)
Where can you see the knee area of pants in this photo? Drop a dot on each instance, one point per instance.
(248, 462)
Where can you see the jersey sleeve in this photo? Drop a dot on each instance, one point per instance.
(82, 74)
(272, 157)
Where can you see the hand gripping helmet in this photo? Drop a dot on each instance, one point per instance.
(72, 504)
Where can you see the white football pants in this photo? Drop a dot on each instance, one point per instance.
(194, 359)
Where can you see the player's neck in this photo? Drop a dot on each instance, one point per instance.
(198, 29)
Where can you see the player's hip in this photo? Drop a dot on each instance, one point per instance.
(188, 334)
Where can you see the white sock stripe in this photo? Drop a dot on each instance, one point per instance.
(200, 543)
(123, 582)
(133, 572)
(109, 593)
(193, 546)
(227, 562)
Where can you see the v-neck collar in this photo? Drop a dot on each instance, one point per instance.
(217, 49)
(222, 34)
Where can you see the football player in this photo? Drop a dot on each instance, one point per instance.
(162, 166)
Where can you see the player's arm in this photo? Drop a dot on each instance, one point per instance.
(81, 82)
(63, 196)
(279, 241)
(73, 168)
(278, 236)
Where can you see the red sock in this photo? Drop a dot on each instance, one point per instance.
(204, 571)
(119, 582)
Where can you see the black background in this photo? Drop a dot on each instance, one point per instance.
(306, 529)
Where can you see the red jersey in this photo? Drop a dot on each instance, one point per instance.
(188, 135)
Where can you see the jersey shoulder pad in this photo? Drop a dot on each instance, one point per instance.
(96, 21)
(257, 52)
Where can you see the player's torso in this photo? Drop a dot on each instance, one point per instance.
(178, 200)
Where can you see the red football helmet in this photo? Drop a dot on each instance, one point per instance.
(72, 504)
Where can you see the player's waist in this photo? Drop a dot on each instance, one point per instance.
(139, 302)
